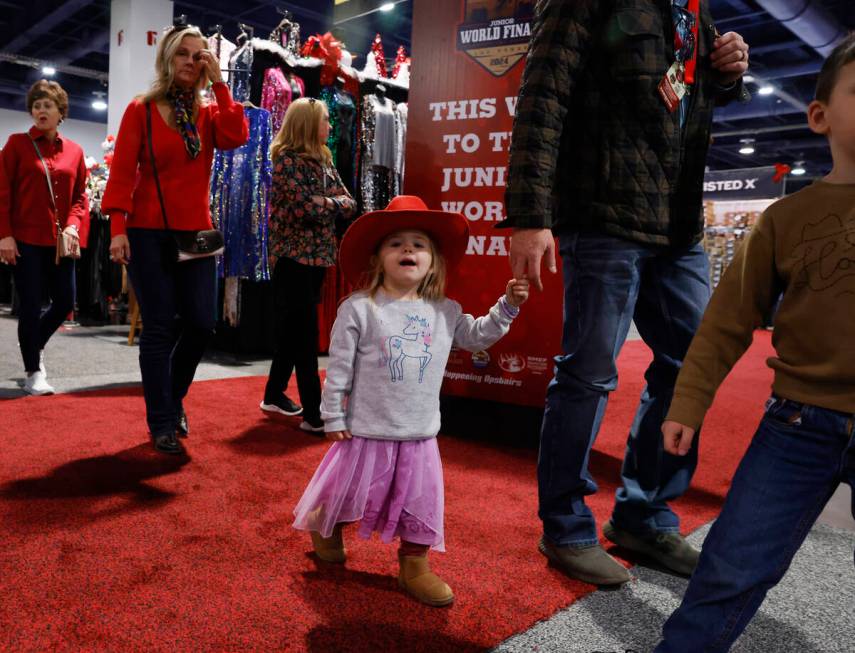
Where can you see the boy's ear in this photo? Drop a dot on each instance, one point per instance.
(816, 117)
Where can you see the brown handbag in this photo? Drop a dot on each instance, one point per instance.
(64, 242)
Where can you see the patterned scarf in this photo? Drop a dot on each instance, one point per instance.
(182, 101)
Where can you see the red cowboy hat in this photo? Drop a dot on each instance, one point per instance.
(449, 232)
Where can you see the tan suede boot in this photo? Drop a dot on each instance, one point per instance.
(420, 582)
(330, 549)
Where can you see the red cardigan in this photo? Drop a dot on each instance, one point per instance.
(26, 212)
(185, 182)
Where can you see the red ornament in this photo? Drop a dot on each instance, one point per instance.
(781, 171)
(400, 59)
(379, 57)
(327, 48)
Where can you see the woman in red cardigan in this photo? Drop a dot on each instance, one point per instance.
(177, 300)
(28, 223)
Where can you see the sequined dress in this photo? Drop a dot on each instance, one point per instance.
(377, 153)
(241, 65)
(342, 138)
(276, 96)
(240, 200)
(401, 115)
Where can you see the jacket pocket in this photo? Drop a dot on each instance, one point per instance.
(636, 41)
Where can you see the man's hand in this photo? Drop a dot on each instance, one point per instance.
(729, 58)
(677, 438)
(527, 249)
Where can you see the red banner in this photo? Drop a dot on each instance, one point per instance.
(467, 61)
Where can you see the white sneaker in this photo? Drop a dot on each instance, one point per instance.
(36, 384)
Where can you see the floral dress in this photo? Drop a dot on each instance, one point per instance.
(299, 228)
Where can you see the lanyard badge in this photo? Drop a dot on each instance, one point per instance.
(675, 84)
(673, 88)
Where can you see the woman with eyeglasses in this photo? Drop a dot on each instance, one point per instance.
(307, 197)
(42, 198)
(150, 201)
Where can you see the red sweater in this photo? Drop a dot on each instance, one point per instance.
(185, 182)
(26, 212)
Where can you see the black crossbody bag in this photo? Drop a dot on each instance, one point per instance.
(191, 244)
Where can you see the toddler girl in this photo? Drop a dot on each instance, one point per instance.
(388, 351)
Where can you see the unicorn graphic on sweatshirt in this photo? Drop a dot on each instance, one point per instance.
(413, 342)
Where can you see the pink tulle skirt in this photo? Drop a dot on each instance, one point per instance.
(392, 487)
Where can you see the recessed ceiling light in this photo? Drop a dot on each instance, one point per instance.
(388, 6)
(747, 149)
(99, 105)
(50, 71)
(766, 90)
(748, 79)
(798, 169)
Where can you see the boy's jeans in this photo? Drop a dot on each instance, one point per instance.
(798, 457)
(608, 283)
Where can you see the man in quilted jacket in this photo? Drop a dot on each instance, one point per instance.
(608, 152)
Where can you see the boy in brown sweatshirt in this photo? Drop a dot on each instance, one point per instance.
(804, 247)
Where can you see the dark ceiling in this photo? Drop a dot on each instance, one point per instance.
(76, 33)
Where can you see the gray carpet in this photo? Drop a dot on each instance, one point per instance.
(811, 610)
(87, 358)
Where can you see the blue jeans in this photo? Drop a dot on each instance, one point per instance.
(36, 271)
(798, 457)
(608, 282)
(178, 308)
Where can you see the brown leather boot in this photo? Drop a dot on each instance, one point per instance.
(330, 549)
(420, 582)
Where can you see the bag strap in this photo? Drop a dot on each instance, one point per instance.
(153, 165)
(49, 182)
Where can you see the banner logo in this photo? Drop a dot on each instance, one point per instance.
(495, 33)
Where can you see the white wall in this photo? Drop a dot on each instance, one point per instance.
(89, 135)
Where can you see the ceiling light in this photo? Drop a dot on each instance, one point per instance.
(50, 71)
(388, 6)
(747, 146)
(798, 169)
(766, 90)
(99, 103)
(748, 79)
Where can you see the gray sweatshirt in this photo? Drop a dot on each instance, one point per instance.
(387, 360)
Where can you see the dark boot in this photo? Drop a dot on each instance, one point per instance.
(590, 564)
(668, 549)
(167, 443)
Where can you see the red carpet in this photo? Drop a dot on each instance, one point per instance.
(108, 546)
